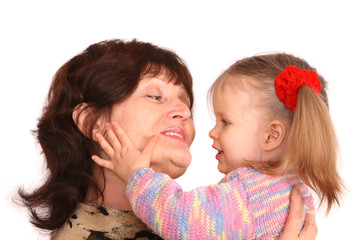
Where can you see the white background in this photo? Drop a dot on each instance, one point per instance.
(37, 37)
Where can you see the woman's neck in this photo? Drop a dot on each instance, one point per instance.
(114, 194)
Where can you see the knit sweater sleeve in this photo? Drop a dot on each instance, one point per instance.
(216, 211)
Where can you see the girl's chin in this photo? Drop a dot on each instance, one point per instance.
(221, 170)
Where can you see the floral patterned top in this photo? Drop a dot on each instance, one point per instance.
(93, 222)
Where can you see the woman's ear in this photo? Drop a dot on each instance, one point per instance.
(81, 114)
(275, 133)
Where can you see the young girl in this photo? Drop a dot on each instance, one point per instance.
(273, 131)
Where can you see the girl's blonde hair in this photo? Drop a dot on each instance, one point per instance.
(311, 147)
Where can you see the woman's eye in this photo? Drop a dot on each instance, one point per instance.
(186, 101)
(157, 98)
(191, 115)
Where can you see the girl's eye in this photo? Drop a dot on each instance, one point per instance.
(225, 122)
(157, 98)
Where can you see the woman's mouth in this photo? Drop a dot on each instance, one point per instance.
(176, 133)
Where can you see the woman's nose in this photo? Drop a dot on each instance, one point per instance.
(180, 110)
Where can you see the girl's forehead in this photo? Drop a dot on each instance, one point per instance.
(228, 92)
(227, 95)
(236, 84)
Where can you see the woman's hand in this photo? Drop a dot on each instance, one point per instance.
(295, 219)
(125, 158)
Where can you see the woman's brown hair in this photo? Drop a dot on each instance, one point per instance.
(311, 146)
(103, 74)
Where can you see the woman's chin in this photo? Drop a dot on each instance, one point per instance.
(174, 164)
(176, 173)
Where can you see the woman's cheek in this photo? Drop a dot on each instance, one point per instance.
(191, 133)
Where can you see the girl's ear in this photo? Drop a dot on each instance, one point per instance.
(275, 133)
(82, 112)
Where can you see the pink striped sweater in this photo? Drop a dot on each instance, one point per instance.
(245, 204)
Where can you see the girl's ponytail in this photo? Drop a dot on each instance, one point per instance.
(312, 147)
(312, 144)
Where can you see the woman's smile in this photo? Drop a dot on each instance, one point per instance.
(176, 133)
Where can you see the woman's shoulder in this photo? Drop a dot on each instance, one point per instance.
(100, 222)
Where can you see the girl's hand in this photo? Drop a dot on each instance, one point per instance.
(125, 158)
(295, 218)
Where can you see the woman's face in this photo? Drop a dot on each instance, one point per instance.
(158, 107)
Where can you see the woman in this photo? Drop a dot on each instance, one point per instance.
(148, 90)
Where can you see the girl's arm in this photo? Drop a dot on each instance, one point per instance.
(160, 202)
(213, 212)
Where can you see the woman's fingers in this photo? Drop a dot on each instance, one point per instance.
(295, 220)
(310, 230)
(295, 217)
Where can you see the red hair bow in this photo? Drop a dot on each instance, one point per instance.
(288, 82)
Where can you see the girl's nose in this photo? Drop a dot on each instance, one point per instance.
(212, 134)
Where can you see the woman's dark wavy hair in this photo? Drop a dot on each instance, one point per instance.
(103, 74)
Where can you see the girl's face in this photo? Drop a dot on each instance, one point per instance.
(239, 129)
(158, 107)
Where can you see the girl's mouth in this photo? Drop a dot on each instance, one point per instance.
(219, 154)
